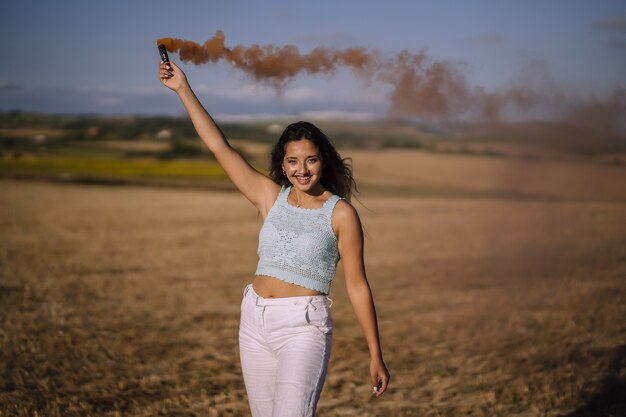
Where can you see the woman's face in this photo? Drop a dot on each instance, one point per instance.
(302, 164)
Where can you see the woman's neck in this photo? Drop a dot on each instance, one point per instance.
(302, 198)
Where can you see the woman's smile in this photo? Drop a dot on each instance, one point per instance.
(303, 179)
(302, 164)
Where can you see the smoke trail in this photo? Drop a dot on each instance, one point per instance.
(423, 87)
(269, 63)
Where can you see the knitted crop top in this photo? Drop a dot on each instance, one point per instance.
(298, 245)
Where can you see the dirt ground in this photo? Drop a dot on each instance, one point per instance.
(500, 285)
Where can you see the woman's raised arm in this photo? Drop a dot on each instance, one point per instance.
(255, 186)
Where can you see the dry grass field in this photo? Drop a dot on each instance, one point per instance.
(500, 284)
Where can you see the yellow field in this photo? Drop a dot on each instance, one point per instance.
(109, 168)
(500, 285)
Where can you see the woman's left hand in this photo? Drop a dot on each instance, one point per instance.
(380, 376)
(172, 76)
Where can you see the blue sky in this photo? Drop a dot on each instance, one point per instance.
(70, 56)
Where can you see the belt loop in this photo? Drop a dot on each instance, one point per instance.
(245, 290)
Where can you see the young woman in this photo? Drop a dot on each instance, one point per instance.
(286, 326)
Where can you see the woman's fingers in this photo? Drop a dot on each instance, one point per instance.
(379, 379)
(382, 385)
(171, 76)
(166, 71)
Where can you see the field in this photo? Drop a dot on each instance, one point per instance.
(500, 284)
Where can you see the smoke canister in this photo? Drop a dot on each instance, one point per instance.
(163, 50)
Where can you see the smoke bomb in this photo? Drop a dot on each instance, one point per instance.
(163, 50)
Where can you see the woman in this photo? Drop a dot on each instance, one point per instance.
(286, 326)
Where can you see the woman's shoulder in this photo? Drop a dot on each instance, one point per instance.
(344, 207)
(344, 214)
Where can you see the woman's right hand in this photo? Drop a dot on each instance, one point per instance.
(172, 76)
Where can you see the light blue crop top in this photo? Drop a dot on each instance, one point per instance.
(298, 245)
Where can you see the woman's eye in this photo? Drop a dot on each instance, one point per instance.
(313, 160)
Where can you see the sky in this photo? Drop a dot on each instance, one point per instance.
(69, 56)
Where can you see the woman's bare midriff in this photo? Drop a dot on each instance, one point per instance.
(270, 287)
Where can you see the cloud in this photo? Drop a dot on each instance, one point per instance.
(617, 43)
(311, 115)
(9, 86)
(255, 93)
(611, 24)
(487, 38)
(111, 97)
(249, 117)
(147, 90)
(357, 116)
(259, 93)
(297, 95)
(251, 99)
(99, 99)
(303, 94)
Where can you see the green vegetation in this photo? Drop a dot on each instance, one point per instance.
(134, 148)
(16, 124)
(93, 127)
(34, 144)
(109, 168)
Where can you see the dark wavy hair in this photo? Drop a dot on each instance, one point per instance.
(336, 172)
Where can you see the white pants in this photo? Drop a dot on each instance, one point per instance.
(284, 345)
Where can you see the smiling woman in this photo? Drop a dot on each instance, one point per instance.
(315, 155)
(286, 326)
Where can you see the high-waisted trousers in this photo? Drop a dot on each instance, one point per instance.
(284, 345)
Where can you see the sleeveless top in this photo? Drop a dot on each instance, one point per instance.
(298, 245)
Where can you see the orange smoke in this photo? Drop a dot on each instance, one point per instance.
(270, 63)
(422, 87)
